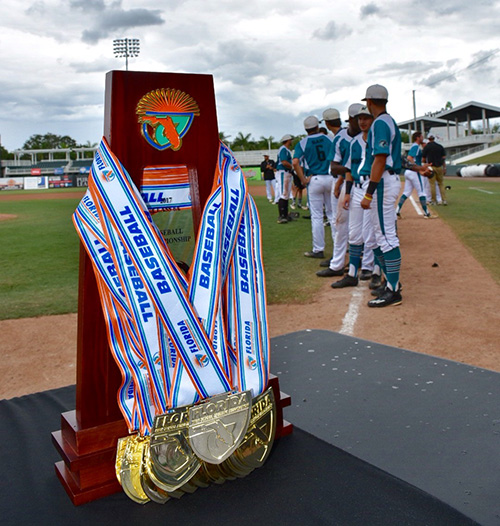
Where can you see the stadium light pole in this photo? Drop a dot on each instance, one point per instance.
(126, 47)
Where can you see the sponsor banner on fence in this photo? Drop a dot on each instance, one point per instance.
(60, 181)
(36, 183)
(80, 180)
(252, 173)
(36, 171)
(11, 183)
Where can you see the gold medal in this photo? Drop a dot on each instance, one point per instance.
(217, 425)
(171, 462)
(258, 440)
(238, 469)
(155, 493)
(130, 469)
(201, 479)
(212, 473)
(120, 451)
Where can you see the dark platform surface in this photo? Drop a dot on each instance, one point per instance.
(433, 423)
(310, 477)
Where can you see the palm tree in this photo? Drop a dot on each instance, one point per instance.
(224, 138)
(267, 143)
(242, 142)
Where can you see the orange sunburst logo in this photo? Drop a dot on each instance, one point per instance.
(165, 116)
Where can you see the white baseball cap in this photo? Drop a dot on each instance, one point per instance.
(354, 109)
(286, 137)
(311, 122)
(376, 91)
(331, 114)
(363, 111)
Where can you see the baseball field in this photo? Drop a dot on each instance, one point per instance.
(450, 282)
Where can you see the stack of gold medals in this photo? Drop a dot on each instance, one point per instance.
(165, 464)
(193, 351)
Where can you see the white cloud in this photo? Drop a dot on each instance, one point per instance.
(273, 63)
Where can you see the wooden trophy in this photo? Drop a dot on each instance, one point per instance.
(141, 135)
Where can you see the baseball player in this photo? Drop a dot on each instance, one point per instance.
(413, 177)
(331, 118)
(312, 152)
(284, 177)
(361, 234)
(338, 155)
(267, 167)
(382, 165)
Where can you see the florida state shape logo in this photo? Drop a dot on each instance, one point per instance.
(165, 116)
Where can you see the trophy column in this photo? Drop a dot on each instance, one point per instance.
(88, 436)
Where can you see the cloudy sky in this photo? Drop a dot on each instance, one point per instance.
(274, 61)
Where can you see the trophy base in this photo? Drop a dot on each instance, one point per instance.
(87, 470)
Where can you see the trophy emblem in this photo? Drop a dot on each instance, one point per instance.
(170, 459)
(218, 425)
(165, 116)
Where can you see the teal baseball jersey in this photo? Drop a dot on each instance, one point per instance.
(383, 138)
(357, 152)
(284, 154)
(416, 153)
(313, 152)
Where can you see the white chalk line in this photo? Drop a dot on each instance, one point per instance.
(416, 206)
(481, 190)
(357, 297)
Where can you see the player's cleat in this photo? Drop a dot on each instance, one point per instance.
(346, 281)
(376, 281)
(431, 203)
(304, 207)
(379, 290)
(282, 220)
(292, 206)
(329, 273)
(429, 216)
(388, 297)
(445, 203)
(293, 215)
(320, 254)
(365, 275)
(325, 263)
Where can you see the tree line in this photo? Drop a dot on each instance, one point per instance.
(48, 141)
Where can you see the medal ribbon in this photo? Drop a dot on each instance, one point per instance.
(126, 218)
(121, 335)
(153, 317)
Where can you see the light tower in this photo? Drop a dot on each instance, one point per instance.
(126, 47)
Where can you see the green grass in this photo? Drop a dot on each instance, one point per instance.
(289, 275)
(39, 249)
(474, 215)
(39, 258)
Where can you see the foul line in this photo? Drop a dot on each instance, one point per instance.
(415, 206)
(480, 190)
(349, 321)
